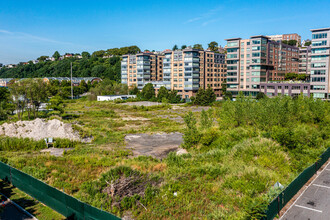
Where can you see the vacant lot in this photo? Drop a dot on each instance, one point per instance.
(236, 152)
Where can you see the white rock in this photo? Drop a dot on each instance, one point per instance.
(181, 151)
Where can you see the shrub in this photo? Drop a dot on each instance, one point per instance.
(20, 144)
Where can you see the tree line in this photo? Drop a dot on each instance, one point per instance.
(88, 66)
(27, 95)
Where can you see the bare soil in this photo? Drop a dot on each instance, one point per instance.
(156, 145)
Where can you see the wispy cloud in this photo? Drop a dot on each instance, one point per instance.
(208, 15)
(209, 21)
(31, 37)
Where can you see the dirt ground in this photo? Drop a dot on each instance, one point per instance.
(156, 145)
(144, 103)
(57, 152)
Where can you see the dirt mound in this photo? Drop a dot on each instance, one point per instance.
(39, 129)
(156, 145)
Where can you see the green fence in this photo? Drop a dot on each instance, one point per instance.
(286, 195)
(59, 201)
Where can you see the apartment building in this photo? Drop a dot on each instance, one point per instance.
(189, 69)
(182, 70)
(141, 68)
(305, 60)
(320, 63)
(287, 37)
(257, 60)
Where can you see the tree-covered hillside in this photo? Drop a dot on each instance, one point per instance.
(88, 65)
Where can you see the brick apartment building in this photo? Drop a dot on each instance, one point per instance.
(287, 37)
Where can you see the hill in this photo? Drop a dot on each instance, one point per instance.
(102, 63)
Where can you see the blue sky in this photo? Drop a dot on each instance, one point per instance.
(31, 28)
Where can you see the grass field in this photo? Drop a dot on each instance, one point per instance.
(241, 150)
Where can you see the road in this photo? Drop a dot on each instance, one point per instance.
(11, 211)
(314, 202)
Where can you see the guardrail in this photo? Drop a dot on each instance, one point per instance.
(61, 202)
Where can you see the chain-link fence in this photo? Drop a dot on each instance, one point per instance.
(59, 201)
(286, 195)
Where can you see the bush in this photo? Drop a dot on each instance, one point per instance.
(65, 143)
(20, 144)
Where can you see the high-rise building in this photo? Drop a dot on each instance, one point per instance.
(258, 60)
(184, 70)
(305, 60)
(141, 68)
(320, 63)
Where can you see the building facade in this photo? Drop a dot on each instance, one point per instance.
(257, 60)
(287, 37)
(320, 63)
(139, 69)
(184, 70)
(305, 60)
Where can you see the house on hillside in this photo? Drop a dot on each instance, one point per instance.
(4, 82)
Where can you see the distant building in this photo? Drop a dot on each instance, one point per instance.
(184, 70)
(75, 80)
(305, 60)
(320, 63)
(4, 82)
(287, 37)
(114, 97)
(257, 60)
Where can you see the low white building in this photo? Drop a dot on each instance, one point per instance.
(114, 97)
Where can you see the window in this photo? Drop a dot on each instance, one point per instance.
(319, 43)
(255, 41)
(232, 44)
(232, 50)
(230, 56)
(318, 72)
(319, 50)
(319, 36)
(318, 79)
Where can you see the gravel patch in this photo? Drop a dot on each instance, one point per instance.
(156, 145)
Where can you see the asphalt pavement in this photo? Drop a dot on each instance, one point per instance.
(314, 202)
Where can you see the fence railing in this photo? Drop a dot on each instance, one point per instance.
(61, 202)
(292, 189)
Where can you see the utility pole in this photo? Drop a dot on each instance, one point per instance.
(71, 83)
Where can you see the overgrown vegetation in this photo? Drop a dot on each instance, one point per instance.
(237, 151)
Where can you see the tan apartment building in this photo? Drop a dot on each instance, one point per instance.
(182, 70)
(139, 69)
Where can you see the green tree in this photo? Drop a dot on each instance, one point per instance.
(308, 43)
(56, 55)
(173, 97)
(162, 93)
(148, 92)
(85, 55)
(213, 46)
(198, 47)
(134, 90)
(183, 47)
(261, 95)
(175, 47)
(191, 135)
(56, 103)
(205, 97)
(42, 58)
